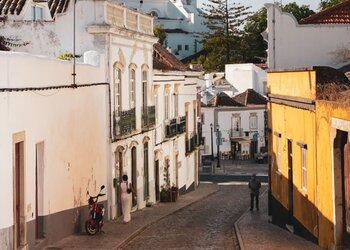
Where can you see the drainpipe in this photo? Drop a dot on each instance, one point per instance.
(109, 141)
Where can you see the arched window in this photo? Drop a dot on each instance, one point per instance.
(132, 87)
(144, 88)
(117, 91)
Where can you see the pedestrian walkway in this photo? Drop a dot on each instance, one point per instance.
(253, 229)
(255, 232)
(116, 234)
(235, 167)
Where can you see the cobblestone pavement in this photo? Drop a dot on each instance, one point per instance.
(207, 224)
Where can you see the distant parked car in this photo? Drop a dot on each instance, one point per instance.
(261, 158)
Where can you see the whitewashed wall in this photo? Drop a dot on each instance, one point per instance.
(291, 45)
(72, 123)
(175, 15)
(245, 76)
(187, 93)
(223, 119)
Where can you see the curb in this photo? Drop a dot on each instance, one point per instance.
(142, 229)
(238, 233)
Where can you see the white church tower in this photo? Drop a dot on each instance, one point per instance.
(180, 19)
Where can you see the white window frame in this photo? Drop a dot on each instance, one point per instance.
(253, 121)
(303, 151)
(279, 148)
(132, 86)
(118, 90)
(144, 87)
(35, 9)
(166, 106)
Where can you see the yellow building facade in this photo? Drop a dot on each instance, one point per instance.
(301, 184)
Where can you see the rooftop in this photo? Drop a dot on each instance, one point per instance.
(164, 60)
(223, 99)
(250, 97)
(338, 14)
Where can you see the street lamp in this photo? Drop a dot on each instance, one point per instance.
(211, 132)
(218, 144)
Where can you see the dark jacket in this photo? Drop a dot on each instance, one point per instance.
(254, 186)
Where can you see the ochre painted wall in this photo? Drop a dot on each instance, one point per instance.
(325, 112)
(299, 84)
(297, 125)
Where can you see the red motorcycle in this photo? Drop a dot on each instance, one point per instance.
(95, 221)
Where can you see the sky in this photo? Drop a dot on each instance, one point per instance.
(257, 4)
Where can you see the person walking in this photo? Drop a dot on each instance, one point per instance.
(254, 186)
(126, 190)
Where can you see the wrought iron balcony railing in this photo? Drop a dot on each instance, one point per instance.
(125, 123)
(170, 128)
(191, 143)
(148, 117)
(237, 133)
(199, 135)
(181, 124)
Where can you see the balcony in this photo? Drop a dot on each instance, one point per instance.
(181, 124)
(122, 17)
(191, 143)
(124, 124)
(199, 135)
(237, 133)
(170, 128)
(148, 117)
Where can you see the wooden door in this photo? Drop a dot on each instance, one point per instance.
(156, 171)
(39, 194)
(134, 173)
(18, 194)
(347, 185)
(120, 174)
(290, 182)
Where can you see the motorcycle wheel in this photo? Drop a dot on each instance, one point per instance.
(91, 229)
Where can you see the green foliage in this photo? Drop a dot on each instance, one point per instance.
(253, 43)
(299, 12)
(68, 56)
(324, 4)
(160, 33)
(223, 42)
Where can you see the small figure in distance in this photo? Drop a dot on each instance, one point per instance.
(126, 190)
(254, 186)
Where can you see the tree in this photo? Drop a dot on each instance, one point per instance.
(223, 41)
(253, 42)
(324, 4)
(160, 33)
(299, 12)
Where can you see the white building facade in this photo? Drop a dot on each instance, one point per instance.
(245, 76)
(178, 130)
(294, 45)
(181, 21)
(241, 131)
(53, 145)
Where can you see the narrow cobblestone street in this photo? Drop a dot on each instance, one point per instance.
(207, 224)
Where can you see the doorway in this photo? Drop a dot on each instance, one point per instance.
(118, 176)
(19, 196)
(39, 192)
(341, 151)
(156, 171)
(134, 174)
(290, 182)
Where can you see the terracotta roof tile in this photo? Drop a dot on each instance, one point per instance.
(338, 14)
(14, 7)
(164, 60)
(250, 97)
(223, 99)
